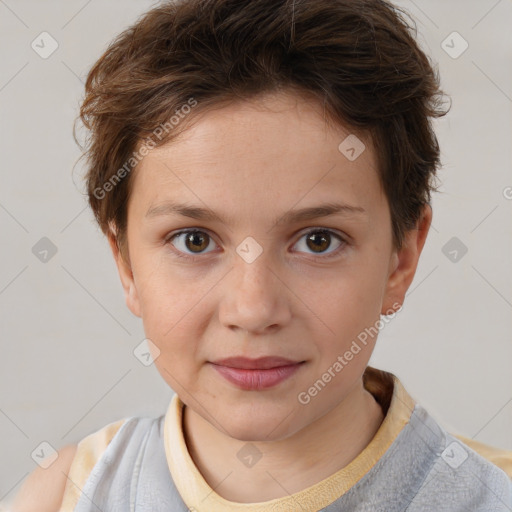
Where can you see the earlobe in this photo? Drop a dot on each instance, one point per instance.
(404, 262)
(126, 276)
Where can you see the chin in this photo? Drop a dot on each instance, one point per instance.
(258, 426)
(251, 433)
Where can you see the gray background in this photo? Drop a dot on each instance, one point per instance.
(67, 338)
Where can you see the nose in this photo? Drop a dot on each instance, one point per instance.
(255, 298)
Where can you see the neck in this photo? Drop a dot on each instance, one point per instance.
(288, 465)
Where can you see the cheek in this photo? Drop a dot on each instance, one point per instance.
(163, 291)
(169, 304)
(171, 322)
(349, 309)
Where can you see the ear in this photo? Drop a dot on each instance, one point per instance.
(404, 262)
(126, 275)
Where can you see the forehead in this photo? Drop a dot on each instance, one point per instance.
(277, 149)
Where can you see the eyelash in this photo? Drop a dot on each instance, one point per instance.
(332, 254)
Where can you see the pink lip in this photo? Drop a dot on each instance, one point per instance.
(254, 374)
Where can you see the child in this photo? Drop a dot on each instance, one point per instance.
(262, 170)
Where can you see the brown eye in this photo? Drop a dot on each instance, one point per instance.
(196, 241)
(191, 242)
(319, 241)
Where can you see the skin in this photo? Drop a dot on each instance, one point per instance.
(43, 489)
(251, 162)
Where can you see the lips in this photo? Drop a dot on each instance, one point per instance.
(262, 363)
(256, 374)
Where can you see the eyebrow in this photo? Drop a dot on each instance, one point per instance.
(173, 208)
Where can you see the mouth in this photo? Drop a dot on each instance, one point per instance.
(256, 374)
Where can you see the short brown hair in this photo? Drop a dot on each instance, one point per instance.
(357, 58)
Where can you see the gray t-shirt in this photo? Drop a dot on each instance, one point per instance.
(424, 469)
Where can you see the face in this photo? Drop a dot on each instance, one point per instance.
(253, 236)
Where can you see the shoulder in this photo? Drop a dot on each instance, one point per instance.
(88, 453)
(444, 474)
(58, 486)
(497, 456)
(461, 477)
(43, 489)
